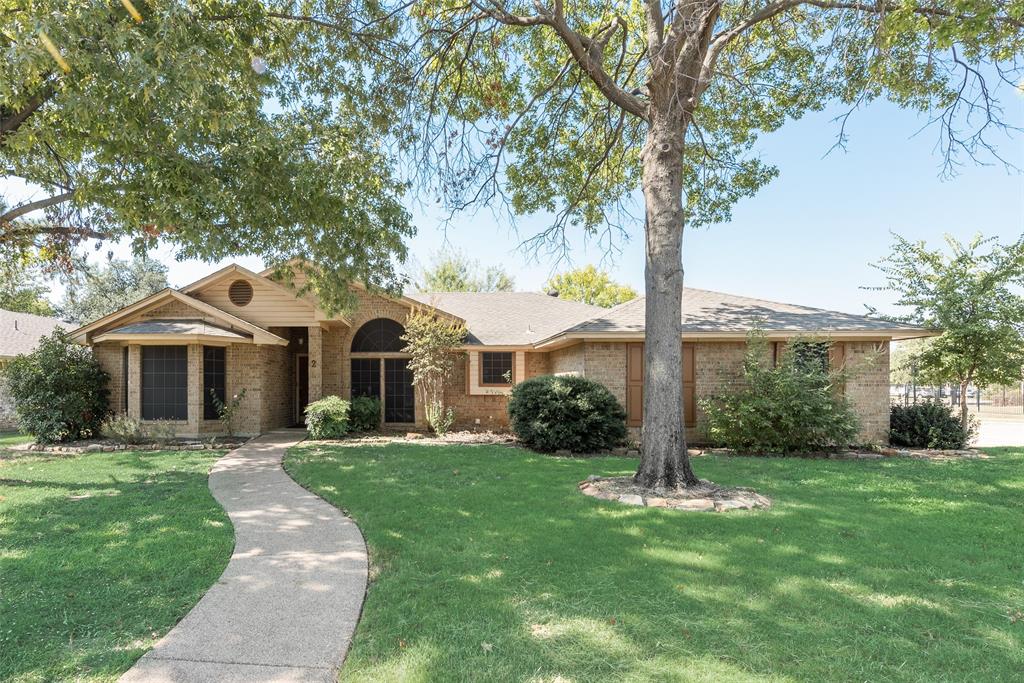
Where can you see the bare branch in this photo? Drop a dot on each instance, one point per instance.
(29, 207)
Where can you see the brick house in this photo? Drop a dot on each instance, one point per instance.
(239, 329)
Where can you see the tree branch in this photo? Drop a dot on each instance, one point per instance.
(10, 124)
(578, 48)
(29, 207)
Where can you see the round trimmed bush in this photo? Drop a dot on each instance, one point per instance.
(551, 413)
(59, 390)
(328, 418)
(931, 424)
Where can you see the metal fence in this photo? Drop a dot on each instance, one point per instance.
(988, 402)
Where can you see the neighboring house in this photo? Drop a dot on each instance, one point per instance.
(237, 329)
(19, 333)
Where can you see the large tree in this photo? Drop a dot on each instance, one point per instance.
(222, 129)
(591, 286)
(972, 293)
(568, 108)
(453, 271)
(94, 291)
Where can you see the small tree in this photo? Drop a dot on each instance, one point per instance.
(969, 295)
(433, 341)
(591, 286)
(227, 410)
(59, 390)
(456, 272)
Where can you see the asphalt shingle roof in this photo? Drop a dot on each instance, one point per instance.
(176, 327)
(707, 311)
(509, 318)
(20, 332)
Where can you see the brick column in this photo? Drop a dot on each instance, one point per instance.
(135, 381)
(316, 363)
(195, 387)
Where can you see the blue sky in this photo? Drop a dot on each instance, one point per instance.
(806, 238)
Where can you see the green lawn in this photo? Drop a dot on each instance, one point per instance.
(488, 565)
(100, 555)
(14, 439)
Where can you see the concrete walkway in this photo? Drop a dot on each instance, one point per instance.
(287, 604)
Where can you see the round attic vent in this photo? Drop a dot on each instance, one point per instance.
(240, 292)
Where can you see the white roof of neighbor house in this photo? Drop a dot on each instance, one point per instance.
(20, 332)
(509, 318)
(706, 311)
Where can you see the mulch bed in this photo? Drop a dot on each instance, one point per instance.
(705, 497)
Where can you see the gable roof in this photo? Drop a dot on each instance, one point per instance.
(20, 332)
(708, 312)
(259, 335)
(508, 318)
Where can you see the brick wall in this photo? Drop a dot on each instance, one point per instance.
(867, 388)
(8, 418)
(567, 360)
(277, 404)
(606, 363)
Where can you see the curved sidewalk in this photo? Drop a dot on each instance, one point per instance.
(286, 605)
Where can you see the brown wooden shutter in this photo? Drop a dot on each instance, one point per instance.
(689, 385)
(836, 355)
(634, 384)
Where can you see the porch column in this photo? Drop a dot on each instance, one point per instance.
(135, 381)
(195, 387)
(316, 363)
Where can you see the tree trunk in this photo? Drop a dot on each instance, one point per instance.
(663, 458)
(963, 403)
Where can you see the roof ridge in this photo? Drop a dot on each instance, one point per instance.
(33, 315)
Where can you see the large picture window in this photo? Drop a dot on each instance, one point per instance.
(164, 382)
(496, 369)
(214, 379)
(366, 377)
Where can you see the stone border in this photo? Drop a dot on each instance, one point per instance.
(709, 498)
(57, 449)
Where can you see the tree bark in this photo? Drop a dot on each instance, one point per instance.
(963, 403)
(663, 458)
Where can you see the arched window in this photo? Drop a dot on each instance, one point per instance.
(381, 335)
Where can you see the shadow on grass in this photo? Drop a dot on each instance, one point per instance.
(99, 556)
(489, 565)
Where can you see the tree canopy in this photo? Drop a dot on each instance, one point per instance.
(220, 129)
(972, 293)
(591, 286)
(455, 272)
(95, 291)
(22, 287)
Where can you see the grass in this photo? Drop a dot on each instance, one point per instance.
(488, 565)
(100, 555)
(8, 439)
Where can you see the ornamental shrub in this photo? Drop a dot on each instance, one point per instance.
(931, 424)
(59, 390)
(793, 407)
(364, 414)
(552, 413)
(122, 429)
(328, 418)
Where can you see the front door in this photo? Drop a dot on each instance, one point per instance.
(399, 396)
(301, 387)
